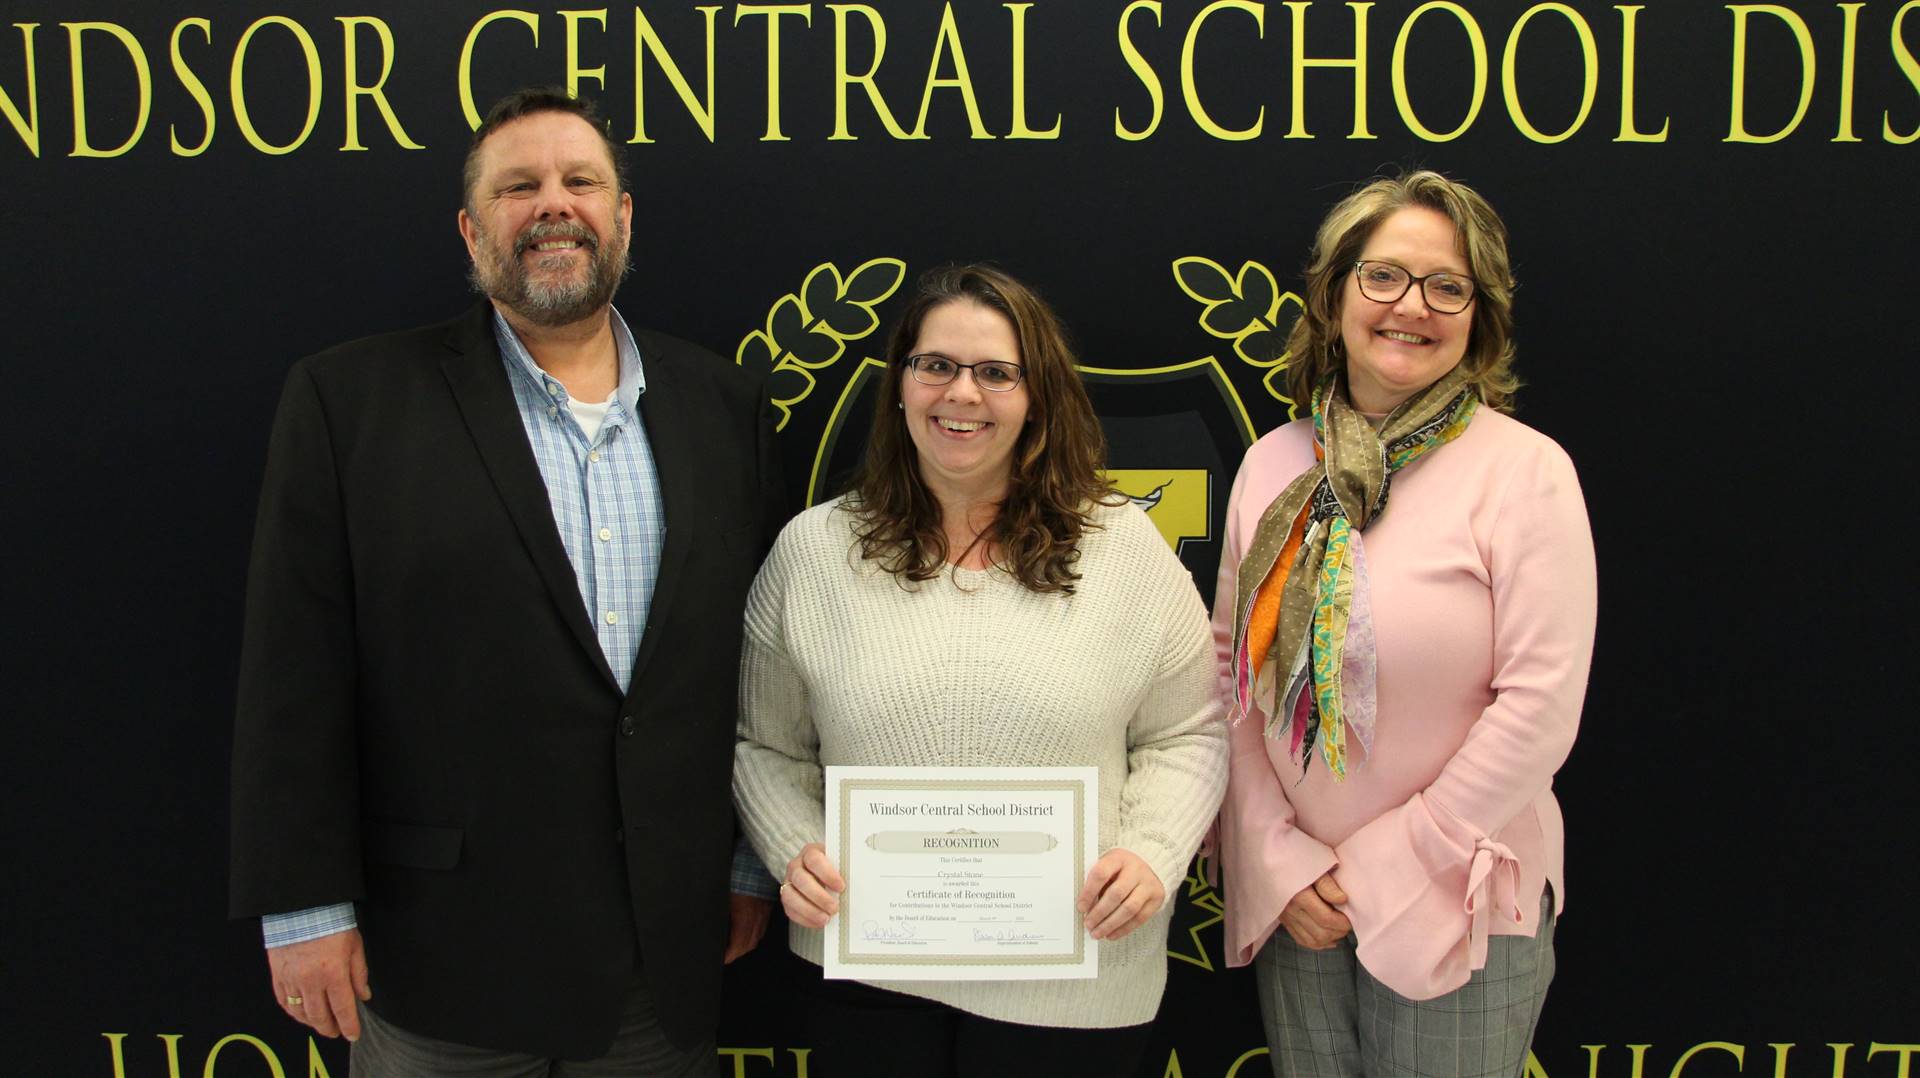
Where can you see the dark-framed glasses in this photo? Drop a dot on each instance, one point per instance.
(996, 375)
(1385, 282)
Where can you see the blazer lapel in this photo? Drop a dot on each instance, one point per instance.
(674, 438)
(478, 378)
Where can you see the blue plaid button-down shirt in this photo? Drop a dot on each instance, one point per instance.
(604, 490)
(605, 495)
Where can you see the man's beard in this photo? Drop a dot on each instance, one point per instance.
(504, 277)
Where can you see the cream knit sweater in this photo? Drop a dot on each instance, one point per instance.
(844, 665)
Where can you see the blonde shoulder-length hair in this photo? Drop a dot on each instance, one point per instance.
(1314, 344)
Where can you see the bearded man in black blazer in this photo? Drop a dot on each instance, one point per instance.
(487, 695)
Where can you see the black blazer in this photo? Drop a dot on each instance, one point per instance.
(426, 724)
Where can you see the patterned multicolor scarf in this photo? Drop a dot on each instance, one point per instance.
(1301, 610)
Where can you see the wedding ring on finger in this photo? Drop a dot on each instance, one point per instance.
(295, 1001)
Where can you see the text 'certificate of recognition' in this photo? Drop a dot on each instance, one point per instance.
(961, 873)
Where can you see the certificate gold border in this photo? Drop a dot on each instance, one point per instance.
(1077, 787)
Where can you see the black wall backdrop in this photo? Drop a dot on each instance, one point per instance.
(1714, 225)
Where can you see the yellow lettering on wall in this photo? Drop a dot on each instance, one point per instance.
(81, 147)
(532, 22)
(1478, 43)
(349, 25)
(1629, 34)
(1639, 1052)
(1590, 83)
(1780, 1059)
(739, 1056)
(575, 72)
(949, 40)
(1737, 122)
(27, 127)
(258, 1045)
(1358, 62)
(1020, 128)
(644, 36)
(773, 12)
(1737, 1051)
(194, 87)
(1905, 1051)
(316, 1067)
(115, 1046)
(117, 1052)
(1909, 67)
(236, 86)
(1192, 92)
(1142, 71)
(1849, 47)
(843, 79)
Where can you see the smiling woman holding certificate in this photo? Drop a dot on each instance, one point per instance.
(981, 599)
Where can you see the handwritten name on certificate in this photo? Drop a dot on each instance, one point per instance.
(961, 873)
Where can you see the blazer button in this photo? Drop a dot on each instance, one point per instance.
(627, 725)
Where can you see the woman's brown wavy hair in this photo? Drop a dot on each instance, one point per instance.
(1057, 460)
(1314, 343)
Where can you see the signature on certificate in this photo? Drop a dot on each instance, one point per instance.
(1006, 935)
(874, 930)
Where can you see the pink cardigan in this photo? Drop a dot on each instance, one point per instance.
(1483, 611)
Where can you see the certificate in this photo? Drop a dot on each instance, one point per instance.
(961, 873)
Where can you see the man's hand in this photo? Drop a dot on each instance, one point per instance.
(1311, 919)
(810, 893)
(317, 982)
(1120, 894)
(746, 923)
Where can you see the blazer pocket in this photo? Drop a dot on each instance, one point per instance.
(413, 845)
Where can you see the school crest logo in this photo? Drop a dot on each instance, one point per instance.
(1175, 430)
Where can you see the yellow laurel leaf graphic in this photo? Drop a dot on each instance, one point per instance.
(785, 383)
(1247, 308)
(791, 386)
(800, 338)
(755, 351)
(807, 330)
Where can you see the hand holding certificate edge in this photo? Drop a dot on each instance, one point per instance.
(812, 884)
(1120, 895)
(1121, 892)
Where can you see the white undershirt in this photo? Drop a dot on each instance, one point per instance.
(589, 416)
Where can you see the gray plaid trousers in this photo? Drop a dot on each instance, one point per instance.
(1326, 1016)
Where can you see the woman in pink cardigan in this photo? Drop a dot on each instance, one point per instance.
(1405, 674)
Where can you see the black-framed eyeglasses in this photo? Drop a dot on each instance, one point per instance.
(996, 375)
(1386, 282)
